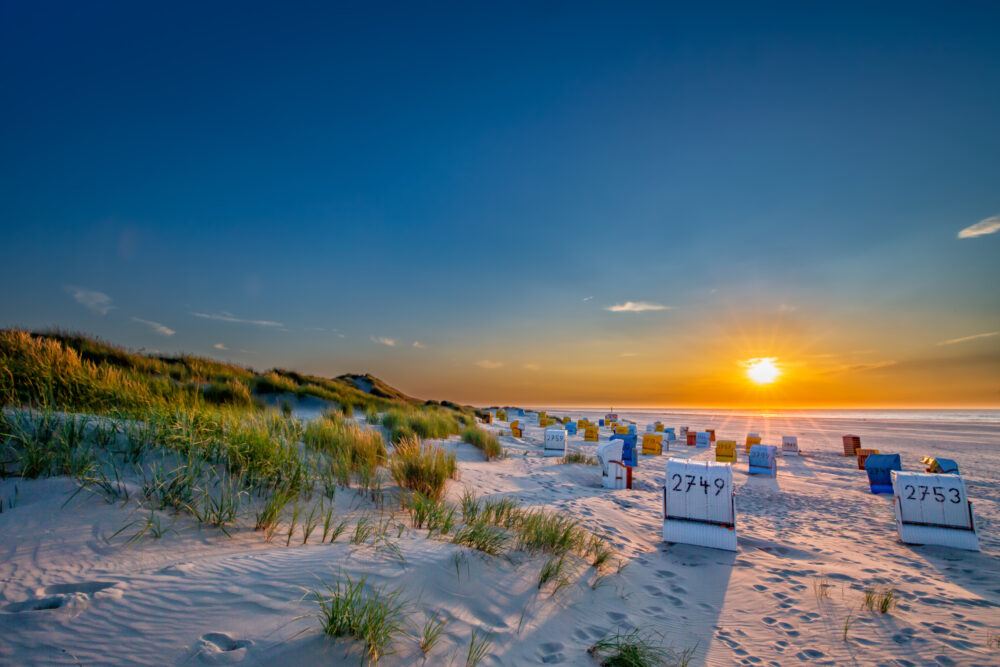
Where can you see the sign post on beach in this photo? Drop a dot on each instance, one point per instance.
(933, 509)
(699, 504)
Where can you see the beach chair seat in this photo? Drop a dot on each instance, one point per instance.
(590, 434)
(668, 434)
(752, 439)
(711, 434)
(703, 439)
(789, 445)
(515, 428)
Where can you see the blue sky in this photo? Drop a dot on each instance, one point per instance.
(487, 181)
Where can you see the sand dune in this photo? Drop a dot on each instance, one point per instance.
(70, 594)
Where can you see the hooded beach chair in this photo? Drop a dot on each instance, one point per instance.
(571, 428)
(711, 433)
(879, 468)
(703, 439)
(590, 434)
(940, 466)
(852, 443)
(752, 439)
(501, 415)
(652, 443)
(933, 509)
(669, 435)
(725, 451)
(789, 445)
(658, 427)
(515, 428)
(682, 432)
(487, 418)
(555, 442)
(614, 473)
(764, 460)
(629, 455)
(699, 504)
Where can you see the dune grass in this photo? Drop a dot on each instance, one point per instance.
(635, 648)
(579, 457)
(422, 467)
(484, 441)
(375, 616)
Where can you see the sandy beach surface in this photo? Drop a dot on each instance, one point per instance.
(810, 543)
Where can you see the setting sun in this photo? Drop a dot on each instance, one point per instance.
(762, 371)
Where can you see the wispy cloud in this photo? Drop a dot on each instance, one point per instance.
(220, 346)
(587, 298)
(635, 307)
(531, 367)
(156, 326)
(229, 317)
(420, 346)
(787, 308)
(99, 302)
(860, 368)
(982, 228)
(630, 354)
(965, 338)
(382, 340)
(486, 363)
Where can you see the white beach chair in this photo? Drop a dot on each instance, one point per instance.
(933, 509)
(614, 473)
(555, 442)
(699, 504)
(789, 445)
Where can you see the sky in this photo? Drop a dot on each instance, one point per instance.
(532, 203)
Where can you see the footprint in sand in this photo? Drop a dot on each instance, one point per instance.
(58, 596)
(218, 648)
(550, 653)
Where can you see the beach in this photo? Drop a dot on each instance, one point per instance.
(810, 543)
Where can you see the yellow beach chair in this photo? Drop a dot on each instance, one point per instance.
(652, 443)
(590, 434)
(725, 450)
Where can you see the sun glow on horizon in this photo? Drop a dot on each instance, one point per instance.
(762, 370)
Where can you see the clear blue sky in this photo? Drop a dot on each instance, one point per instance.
(489, 180)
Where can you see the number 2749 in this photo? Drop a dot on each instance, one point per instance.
(686, 482)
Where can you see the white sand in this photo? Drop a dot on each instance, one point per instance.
(68, 595)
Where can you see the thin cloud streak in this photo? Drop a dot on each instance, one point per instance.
(486, 363)
(156, 326)
(990, 225)
(228, 317)
(382, 340)
(220, 346)
(636, 307)
(420, 346)
(99, 302)
(967, 338)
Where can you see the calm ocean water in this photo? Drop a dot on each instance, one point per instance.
(932, 416)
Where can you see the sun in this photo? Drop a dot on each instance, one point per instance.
(762, 370)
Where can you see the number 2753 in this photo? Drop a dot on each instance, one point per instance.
(921, 491)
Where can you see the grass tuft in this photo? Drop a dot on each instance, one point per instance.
(422, 467)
